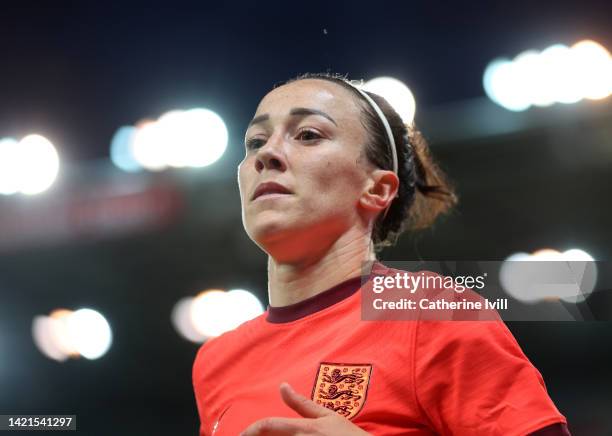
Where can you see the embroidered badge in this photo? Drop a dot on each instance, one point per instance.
(342, 387)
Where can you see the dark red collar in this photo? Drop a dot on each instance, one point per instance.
(333, 295)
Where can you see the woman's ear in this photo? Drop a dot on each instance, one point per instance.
(380, 190)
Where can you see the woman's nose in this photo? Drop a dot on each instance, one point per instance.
(271, 156)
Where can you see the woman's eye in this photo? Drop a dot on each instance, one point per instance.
(308, 135)
(254, 143)
(304, 135)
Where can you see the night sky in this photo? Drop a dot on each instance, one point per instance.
(75, 71)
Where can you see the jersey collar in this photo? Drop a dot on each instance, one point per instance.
(316, 303)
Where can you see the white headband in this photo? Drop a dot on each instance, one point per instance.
(383, 118)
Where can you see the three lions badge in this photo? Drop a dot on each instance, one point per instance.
(342, 387)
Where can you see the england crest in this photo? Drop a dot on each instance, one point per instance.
(342, 387)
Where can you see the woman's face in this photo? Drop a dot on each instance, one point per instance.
(307, 137)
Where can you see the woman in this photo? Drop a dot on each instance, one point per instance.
(331, 175)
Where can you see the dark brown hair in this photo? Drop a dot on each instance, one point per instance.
(424, 191)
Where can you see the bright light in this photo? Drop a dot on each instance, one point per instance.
(564, 74)
(148, 146)
(60, 333)
(89, 333)
(558, 74)
(42, 165)
(490, 79)
(121, 149)
(214, 312)
(512, 278)
(584, 270)
(550, 70)
(570, 275)
(181, 319)
(210, 313)
(50, 335)
(9, 166)
(595, 66)
(531, 80)
(244, 306)
(546, 254)
(175, 132)
(398, 95)
(503, 87)
(65, 334)
(193, 138)
(576, 254)
(29, 166)
(201, 137)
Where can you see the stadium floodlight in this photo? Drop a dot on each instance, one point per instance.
(397, 93)
(502, 80)
(595, 67)
(210, 313)
(40, 164)
(29, 166)
(192, 138)
(181, 319)
(89, 333)
(526, 282)
(213, 312)
(148, 146)
(121, 149)
(558, 74)
(245, 306)
(66, 333)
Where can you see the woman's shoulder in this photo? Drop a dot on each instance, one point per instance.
(230, 342)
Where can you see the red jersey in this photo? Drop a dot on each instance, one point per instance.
(387, 377)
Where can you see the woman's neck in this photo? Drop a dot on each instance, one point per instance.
(290, 283)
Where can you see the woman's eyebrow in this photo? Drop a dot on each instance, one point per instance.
(306, 111)
(294, 111)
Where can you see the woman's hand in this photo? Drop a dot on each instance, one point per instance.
(317, 420)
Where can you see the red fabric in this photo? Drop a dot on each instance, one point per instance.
(473, 378)
(428, 377)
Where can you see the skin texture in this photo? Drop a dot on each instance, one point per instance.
(320, 234)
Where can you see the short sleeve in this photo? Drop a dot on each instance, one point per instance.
(471, 377)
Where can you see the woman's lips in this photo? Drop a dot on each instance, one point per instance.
(269, 189)
(270, 196)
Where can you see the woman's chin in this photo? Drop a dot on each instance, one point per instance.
(270, 232)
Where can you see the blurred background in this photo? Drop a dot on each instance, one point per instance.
(121, 127)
